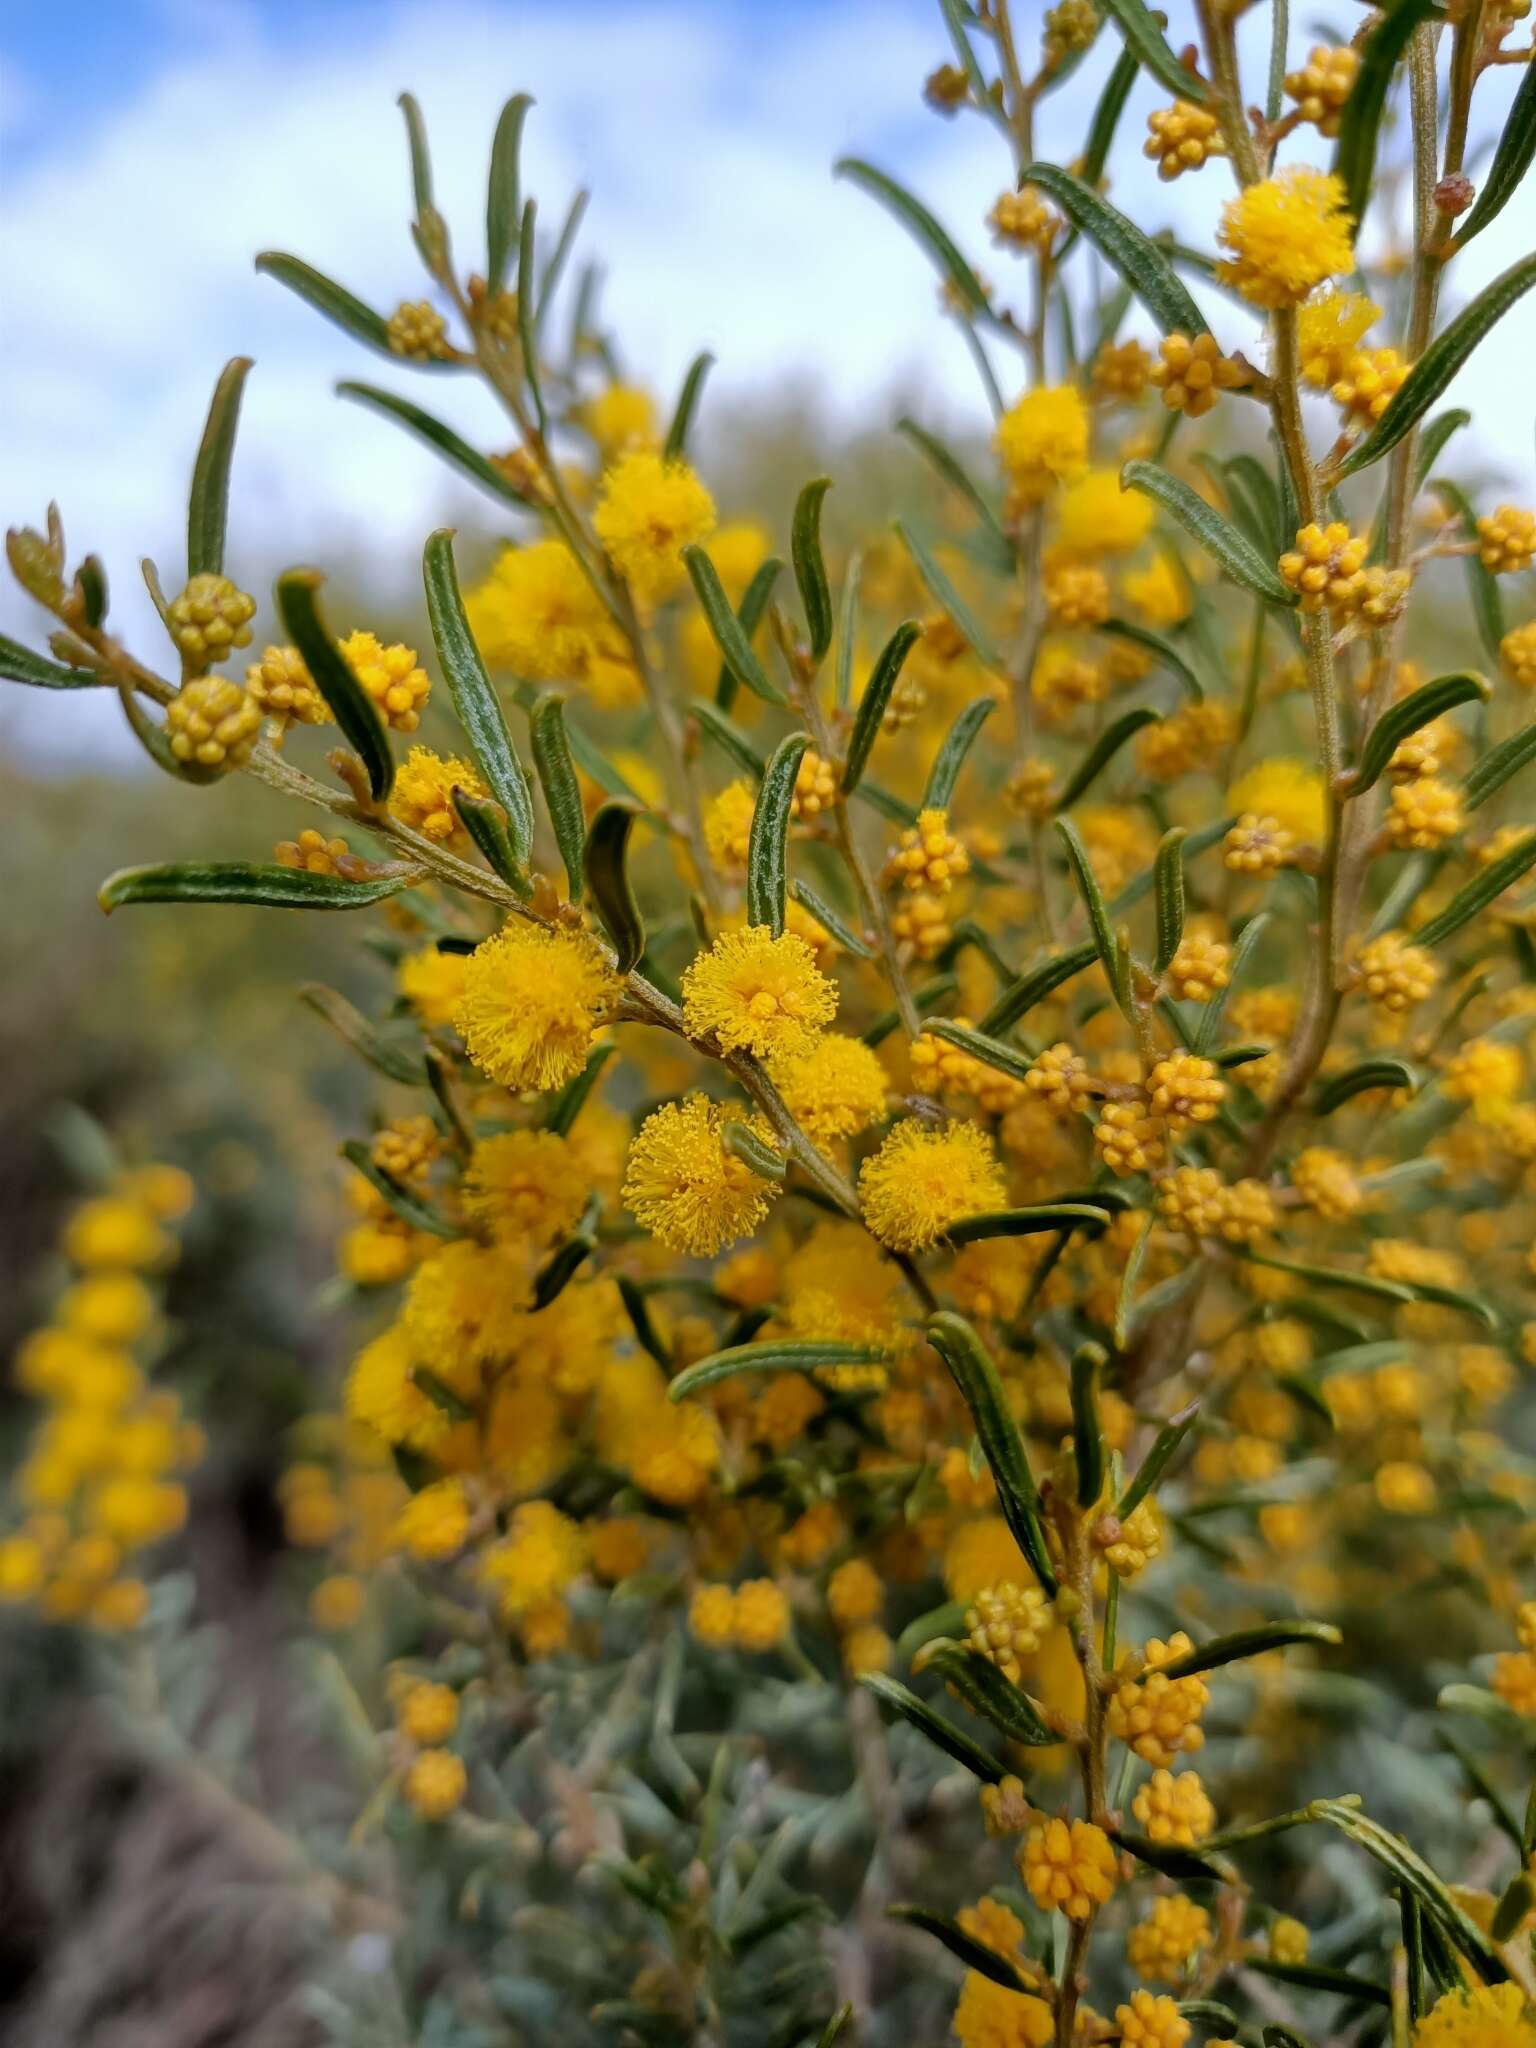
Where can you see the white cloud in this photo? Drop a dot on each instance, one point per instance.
(707, 136)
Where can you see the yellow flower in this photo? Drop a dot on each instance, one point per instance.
(1007, 1622)
(422, 797)
(382, 1393)
(436, 1783)
(532, 1000)
(1484, 1072)
(712, 1615)
(1492, 2016)
(728, 826)
(1151, 2022)
(432, 983)
(648, 512)
(1286, 234)
(684, 1187)
(620, 416)
(1070, 1867)
(110, 1231)
(538, 615)
(525, 1186)
(1171, 1936)
(1158, 592)
(834, 1089)
(392, 677)
(434, 1522)
(989, 2015)
(428, 1713)
(855, 1593)
(1288, 1940)
(1174, 1807)
(922, 1180)
(757, 993)
(762, 1615)
(1290, 792)
(1329, 330)
(1043, 441)
(541, 1553)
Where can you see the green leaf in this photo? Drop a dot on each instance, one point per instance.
(1104, 750)
(950, 758)
(835, 2026)
(549, 282)
(208, 501)
(768, 844)
(1087, 1436)
(971, 1367)
(455, 451)
(990, 1051)
(1332, 1276)
(1250, 1642)
(1229, 549)
(562, 793)
(1410, 1871)
(810, 566)
(1515, 1903)
(1127, 251)
(1162, 649)
(298, 605)
(526, 306)
(730, 638)
(338, 305)
(19, 664)
(1354, 156)
(1474, 896)
(474, 699)
(1197, 843)
(1511, 161)
(848, 632)
(1207, 1030)
(919, 222)
(940, 1731)
(687, 405)
(975, 1955)
(1186, 1866)
(775, 1356)
(503, 194)
(410, 1208)
(239, 881)
(1093, 903)
(749, 616)
(728, 735)
(1028, 1222)
(988, 1693)
(949, 600)
(999, 548)
(1400, 720)
(1377, 1073)
(828, 918)
(1487, 603)
(1106, 116)
(1035, 984)
(1165, 1447)
(877, 695)
(354, 1029)
(421, 162)
(1125, 1304)
(561, 1267)
(1488, 775)
(604, 865)
(763, 1159)
(1440, 362)
(640, 1321)
(1168, 891)
(565, 1107)
(1139, 26)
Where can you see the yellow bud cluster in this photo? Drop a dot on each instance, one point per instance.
(1424, 814)
(1192, 374)
(1121, 370)
(210, 618)
(816, 785)
(213, 723)
(1200, 968)
(1506, 540)
(1257, 846)
(1174, 1808)
(928, 856)
(1173, 1934)
(1158, 1716)
(1395, 973)
(1069, 1866)
(1128, 1139)
(1059, 1078)
(752, 1616)
(1022, 220)
(1076, 594)
(1183, 1089)
(1182, 137)
(284, 688)
(1322, 87)
(417, 331)
(1007, 1622)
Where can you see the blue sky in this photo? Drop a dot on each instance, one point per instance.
(150, 147)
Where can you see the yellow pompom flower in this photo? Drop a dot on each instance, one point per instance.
(432, 983)
(1329, 330)
(436, 1783)
(381, 1392)
(712, 1615)
(392, 677)
(428, 1713)
(1286, 234)
(1491, 2016)
(922, 1180)
(525, 1186)
(1042, 441)
(756, 993)
(434, 1522)
(532, 1000)
(422, 796)
(834, 1089)
(989, 2015)
(111, 1231)
(1485, 1072)
(619, 416)
(1290, 792)
(761, 1615)
(1095, 516)
(537, 614)
(648, 511)
(1288, 1940)
(1070, 1867)
(541, 1553)
(682, 1184)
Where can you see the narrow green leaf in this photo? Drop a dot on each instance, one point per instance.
(829, 920)
(1087, 1435)
(727, 735)
(1484, 888)
(998, 546)
(971, 1367)
(768, 845)
(1440, 362)
(455, 451)
(1104, 750)
(848, 631)
(1354, 156)
(835, 2026)
(554, 269)
(1186, 1866)
(1432, 440)
(988, 1693)
(1168, 892)
(604, 859)
(1377, 1073)
(644, 1328)
(732, 641)
(1333, 1276)
(1162, 649)
(1197, 843)
(1400, 720)
(1139, 26)
(1410, 1870)
(1035, 984)
(940, 1731)
(749, 616)
(503, 194)
(474, 699)
(19, 664)
(775, 1356)
(919, 222)
(1511, 161)
(353, 1028)
(298, 606)
(810, 566)
(1251, 1642)
(877, 695)
(1093, 903)
(1125, 1304)
(526, 303)
(208, 500)
(408, 1207)
(687, 405)
(239, 881)
(562, 793)
(950, 758)
(1489, 774)
(1237, 556)
(565, 1107)
(1164, 1449)
(1514, 1905)
(1127, 251)
(561, 1267)
(338, 305)
(948, 599)
(1028, 1222)
(1209, 1027)
(421, 162)
(1106, 116)
(990, 1051)
(763, 1159)
(965, 1948)
(1487, 602)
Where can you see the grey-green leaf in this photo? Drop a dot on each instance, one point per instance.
(965, 1948)
(1404, 718)
(949, 599)
(749, 616)
(732, 641)
(727, 735)
(1354, 156)
(1093, 903)
(240, 881)
(776, 1356)
(1128, 252)
(454, 450)
(1229, 549)
(1488, 775)
(1035, 984)
(604, 862)
(950, 758)
(298, 606)
(474, 699)
(1511, 161)
(916, 218)
(1139, 26)
(999, 547)
(767, 846)
(557, 778)
(1027, 1222)
(338, 305)
(687, 405)
(810, 565)
(208, 500)
(503, 195)
(971, 1367)
(1168, 893)
(877, 695)
(938, 1728)
(19, 664)
(1161, 649)
(1484, 888)
(1103, 751)
(486, 823)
